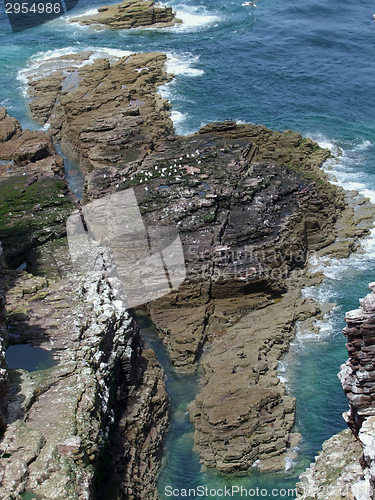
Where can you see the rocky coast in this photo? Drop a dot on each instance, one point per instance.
(250, 205)
(353, 474)
(58, 422)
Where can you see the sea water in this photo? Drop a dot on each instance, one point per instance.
(306, 65)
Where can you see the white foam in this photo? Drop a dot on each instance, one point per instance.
(6, 103)
(178, 117)
(47, 62)
(90, 12)
(365, 144)
(179, 65)
(282, 371)
(193, 18)
(183, 65)
(289, 463)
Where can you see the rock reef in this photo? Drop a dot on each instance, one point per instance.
(250, 205)
(131, 14)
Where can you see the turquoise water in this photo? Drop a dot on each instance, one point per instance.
(303, 65)
(29, 358)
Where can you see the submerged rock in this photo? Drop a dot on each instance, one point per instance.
(131, 14)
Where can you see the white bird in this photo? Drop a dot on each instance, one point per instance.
(250, 4)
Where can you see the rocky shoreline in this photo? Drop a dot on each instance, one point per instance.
(250, 205)
(345, 467)
(58, 423)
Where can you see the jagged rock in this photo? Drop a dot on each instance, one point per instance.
(35, 199)
(357, 378)
(3, 364)
(60, 420)
(335, 470)
(131, 14)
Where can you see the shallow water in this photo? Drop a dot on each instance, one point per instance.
(302, 65)
(29, 357)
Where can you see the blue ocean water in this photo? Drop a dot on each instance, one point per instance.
(302, 65)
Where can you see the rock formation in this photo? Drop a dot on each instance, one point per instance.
(61, 420)
(346, 466)
(250, 204)
(34, 196)
(104, 113)
(358, 380)
(91, 420)
(131, 14)
(335, 470)
(3, 365)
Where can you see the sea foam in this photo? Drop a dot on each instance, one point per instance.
(50, 61)
(193, 18)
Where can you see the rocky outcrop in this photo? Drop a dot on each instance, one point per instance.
(4, 386)
(131, 14)
(34, 196)
(104, 113)
(250, 205)
(61, 420)
(90, 420)
(137, 443)
(346, 466)
(243, 413)
(358, 381)
(335, 470)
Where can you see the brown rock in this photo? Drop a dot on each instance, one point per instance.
(131, 14)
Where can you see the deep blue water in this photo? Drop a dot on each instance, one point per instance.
(302, 65)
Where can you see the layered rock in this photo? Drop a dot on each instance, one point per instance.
(243, 412)
(34, 196)
(104, 113)
(250, 205)
(357, 378)
(346, 466)
(4, 385)
(131, 14)
(61, 420)
(102, 409)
